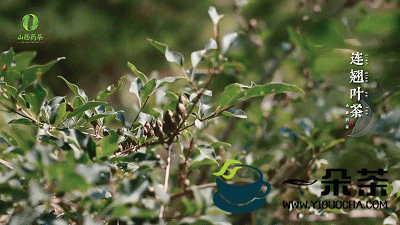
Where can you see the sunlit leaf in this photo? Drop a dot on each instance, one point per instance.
(136, 87)
(227, 42)
(110, 89)
(272, 88)
(232, 93)
(139, 74)
(215, 17)
(76, 90)
(23, 121)
(206, 156)
(87, 106)
(158, 45)
(174, 57)
(148, 89)
(235, 113)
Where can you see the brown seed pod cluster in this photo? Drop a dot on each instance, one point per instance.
(169, 126)
(171, 120)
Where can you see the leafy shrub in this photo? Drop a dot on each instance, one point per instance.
(75, 160)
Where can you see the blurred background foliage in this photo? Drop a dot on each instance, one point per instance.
(303, 42)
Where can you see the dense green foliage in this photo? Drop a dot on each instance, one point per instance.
(271, 95)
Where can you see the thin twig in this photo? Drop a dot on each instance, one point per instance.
(5, 163)
(208, 117)
(141, 108)
(166, 179)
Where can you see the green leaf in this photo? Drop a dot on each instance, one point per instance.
(109, 115)
(82, 141)
(77, 102)
(174, 57)
(23, 60)
(76, 90)
(62, 110)
(110, 90)
(139, 74)
(295, 37)
(7, 102)
(219, 144)
(148, 89)
(11, 90)
(22, 121)
(51, 108)
(11, 76)
(35, 95)
(232, 93)
(206, 157)
(72, 181)
(31, 74)
(158, 45)
(166, 80)
(272, 88)
(108, 145)
(235, 113)
(87, 106)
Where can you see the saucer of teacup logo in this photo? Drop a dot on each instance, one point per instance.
(30, 22)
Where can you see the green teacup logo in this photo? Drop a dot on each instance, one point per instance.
(225, 168)
(26, 19)
(239, 198)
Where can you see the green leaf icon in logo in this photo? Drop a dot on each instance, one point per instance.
(225, 168)
(25, 22)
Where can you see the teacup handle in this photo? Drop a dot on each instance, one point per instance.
(267, 191)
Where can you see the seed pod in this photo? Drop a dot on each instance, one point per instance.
(69, 107)
(145, 130)
(151, 132)
(182, 99)
(113, 169)
(147, 126)
(169, 122)
(120, 131)
(187, 182)
(180, 109)
(94, 123)
(178, 118)
(158, 129)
